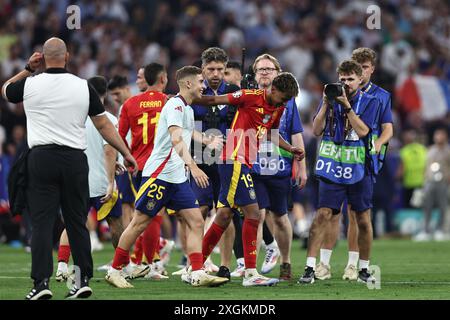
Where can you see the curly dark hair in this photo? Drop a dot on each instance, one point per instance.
(363, 54)
(349, 67)
(286, 83)
(214, 54)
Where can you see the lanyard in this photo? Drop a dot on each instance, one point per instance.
(357, 104)
(367, 89)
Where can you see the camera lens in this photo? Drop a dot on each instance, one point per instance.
(333, 90)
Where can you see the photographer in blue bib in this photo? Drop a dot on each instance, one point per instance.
(345, 119)
(380, 137)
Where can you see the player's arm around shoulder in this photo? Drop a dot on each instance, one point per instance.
(212, 100)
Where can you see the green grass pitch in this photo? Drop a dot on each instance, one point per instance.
(408, 271)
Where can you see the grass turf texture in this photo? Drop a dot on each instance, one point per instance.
(408, 271)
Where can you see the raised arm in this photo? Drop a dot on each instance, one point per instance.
(16, 95)
(320, 120)
(357, 124)
(212, 100)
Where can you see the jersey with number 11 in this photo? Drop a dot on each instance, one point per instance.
(141, 114)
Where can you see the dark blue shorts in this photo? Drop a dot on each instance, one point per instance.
(136, 182)
(127, 191)
(154, 194)
(272, 193)
(236, 186)
(358, 195)
(111, 208)
(296, 194)
(209, 195)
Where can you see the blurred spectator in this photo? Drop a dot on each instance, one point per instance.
(397, 57)
(310, 38)
(383, 194)
(437, 179)
(413, 157)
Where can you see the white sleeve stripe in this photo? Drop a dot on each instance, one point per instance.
(101, 114)
(4, 90)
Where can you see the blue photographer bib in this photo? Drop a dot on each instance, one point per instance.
(343, 161)
(273, 160)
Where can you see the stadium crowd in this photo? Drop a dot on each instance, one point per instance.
(309, 38)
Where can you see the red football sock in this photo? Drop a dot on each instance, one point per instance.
(249, 234)
(64, 253)
(196, 260)
(150, 240)
(121, 258)
(138, 250)
(210, 239)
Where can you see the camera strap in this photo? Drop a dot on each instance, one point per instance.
(346, 121)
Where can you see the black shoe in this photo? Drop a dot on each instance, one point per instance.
(40, 291)
(365, 276)
(83, 292)
(224, 272)
(80, 290)
(307, 277)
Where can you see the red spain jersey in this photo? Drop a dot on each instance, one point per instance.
(141, 114)
(254, 117)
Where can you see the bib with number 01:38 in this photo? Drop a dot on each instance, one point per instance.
(343, 163)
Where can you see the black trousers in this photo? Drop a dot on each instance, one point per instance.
(58, 178)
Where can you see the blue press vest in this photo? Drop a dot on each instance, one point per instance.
(345, 163)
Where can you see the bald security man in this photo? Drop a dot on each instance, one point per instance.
(57, 105)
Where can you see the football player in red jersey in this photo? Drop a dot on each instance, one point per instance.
(140, 114)
(140, 80)
(258, 112)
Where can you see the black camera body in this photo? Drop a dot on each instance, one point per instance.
(248, 81)
(333, 90)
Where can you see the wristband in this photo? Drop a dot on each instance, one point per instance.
(28, 68)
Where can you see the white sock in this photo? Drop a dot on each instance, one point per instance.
(62, 266)
(250, 272)
(311, 262)
(353, 257)
(363, 264)
(93, 235)
(128, 268)
(301, 225)
(325, 256)
(240, 261)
